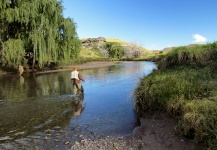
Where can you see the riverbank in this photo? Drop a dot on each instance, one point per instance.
(87, 65)
(156, 132)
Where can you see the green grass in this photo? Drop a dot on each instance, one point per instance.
(194, 55)
(90, 53)
(151, 56)
(116, 41)
(185, 86)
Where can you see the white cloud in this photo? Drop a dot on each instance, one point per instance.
(199, 38)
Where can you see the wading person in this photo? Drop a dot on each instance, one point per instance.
(76, 77)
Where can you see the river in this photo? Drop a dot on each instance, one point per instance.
(39, 110)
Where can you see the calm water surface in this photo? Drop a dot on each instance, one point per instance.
(40, 111)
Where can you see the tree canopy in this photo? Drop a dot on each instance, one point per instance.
(115, 49)
(35, 33)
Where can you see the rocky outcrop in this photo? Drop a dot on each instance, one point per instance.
(91, 41)
(95, 44)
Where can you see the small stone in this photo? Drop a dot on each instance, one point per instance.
(67, 142)
(84, 142)
(115, 144)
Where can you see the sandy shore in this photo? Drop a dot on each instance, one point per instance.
(87, 65)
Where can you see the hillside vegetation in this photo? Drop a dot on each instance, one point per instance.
(184, 86)
(94, 49)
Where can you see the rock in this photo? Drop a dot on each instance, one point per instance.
(67, 142)
(92, 41)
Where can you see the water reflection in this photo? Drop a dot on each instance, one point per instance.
(23, 119)
(32, 104)
(78, 108)
(59, 83)
(13, 88)
(22, 80)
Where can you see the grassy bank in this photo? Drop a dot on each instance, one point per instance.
(185, 86)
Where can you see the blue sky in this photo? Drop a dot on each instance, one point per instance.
(153, 24)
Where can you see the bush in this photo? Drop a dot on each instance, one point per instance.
(115, 50)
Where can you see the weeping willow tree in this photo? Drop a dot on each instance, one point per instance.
(35, 33)
(69, 46)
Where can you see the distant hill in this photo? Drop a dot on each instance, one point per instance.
(90, 45)
(167, 49)
(93, 47)
(101, 40)
(130, 46)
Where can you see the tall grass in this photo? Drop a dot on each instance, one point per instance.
(185, 86)
(199, 120)
(161, 88)
(190, 55)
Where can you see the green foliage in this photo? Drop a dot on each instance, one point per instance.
(200, 120)
(14, 53)
(162, 87)
(115, 50)
(45, 34)
(185, 87)
(190, 55)
(90, 53)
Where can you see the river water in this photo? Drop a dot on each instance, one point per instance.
(39, 111)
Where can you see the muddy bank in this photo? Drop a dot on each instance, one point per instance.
(155, 133)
